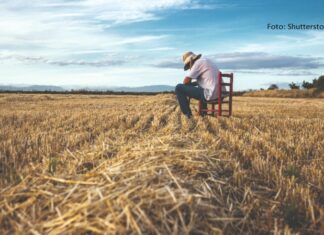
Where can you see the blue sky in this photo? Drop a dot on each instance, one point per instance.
(136, 43)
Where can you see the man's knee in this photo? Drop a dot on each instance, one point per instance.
(178, 88)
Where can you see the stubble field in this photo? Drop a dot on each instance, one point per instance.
(87, 164)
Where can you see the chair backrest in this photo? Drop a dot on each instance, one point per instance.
(221, 84)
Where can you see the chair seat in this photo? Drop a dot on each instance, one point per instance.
(212, 101)
(215, 101)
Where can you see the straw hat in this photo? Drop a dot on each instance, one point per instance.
(188, 57)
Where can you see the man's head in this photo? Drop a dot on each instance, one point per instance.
(189, 59)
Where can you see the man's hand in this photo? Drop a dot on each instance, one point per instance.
(187, 81)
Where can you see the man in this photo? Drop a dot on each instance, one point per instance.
(205, 72)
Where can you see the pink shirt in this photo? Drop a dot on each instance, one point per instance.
(206, 73)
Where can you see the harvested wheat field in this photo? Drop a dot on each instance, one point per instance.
(87, 164)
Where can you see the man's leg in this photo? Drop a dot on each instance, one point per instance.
(183, 91)
(203, 106)
(202, 99)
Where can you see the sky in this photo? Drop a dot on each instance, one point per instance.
(138, 43)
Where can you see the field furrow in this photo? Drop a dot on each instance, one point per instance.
(135, 165)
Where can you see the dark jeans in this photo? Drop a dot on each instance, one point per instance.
(183, 91)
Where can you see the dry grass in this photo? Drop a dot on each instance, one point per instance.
(134, 165)
(310, 93)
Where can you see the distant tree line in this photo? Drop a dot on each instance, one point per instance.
(318, 84)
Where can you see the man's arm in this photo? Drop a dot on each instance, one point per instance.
(188, 81)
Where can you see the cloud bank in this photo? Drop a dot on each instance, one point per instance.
(114, 61)
(254, 61)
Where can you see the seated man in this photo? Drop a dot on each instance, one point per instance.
(205, 72)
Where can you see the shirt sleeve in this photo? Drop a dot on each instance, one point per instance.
(195, 71)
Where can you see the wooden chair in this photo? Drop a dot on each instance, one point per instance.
(221, 96)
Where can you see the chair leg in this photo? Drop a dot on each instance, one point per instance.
(199, 107)
(213, 110)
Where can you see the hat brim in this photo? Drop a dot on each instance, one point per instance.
(187, 65)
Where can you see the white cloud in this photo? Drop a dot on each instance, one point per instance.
(162, 49)
(73, 32)
(59, 28)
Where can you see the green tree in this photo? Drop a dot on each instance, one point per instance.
(273, 87)
(319, 83)
(294, 86)
(307, 85)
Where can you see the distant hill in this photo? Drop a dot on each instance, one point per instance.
(31, 88)
(153, 88)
